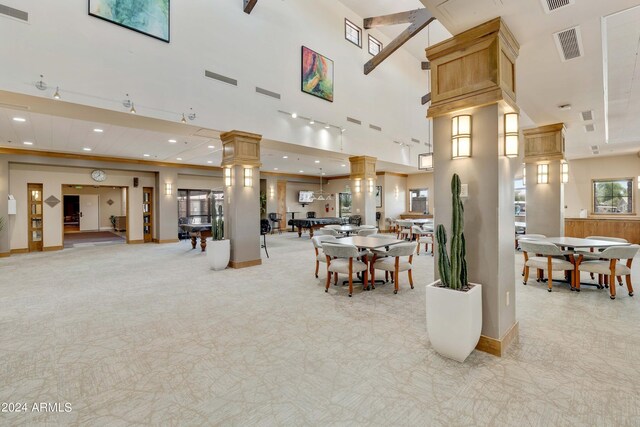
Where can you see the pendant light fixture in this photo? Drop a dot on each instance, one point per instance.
(56, 95)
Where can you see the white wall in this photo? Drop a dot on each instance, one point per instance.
(95, 63)
(53, 178)
(577, 192)
(194, 182)
(394, 202)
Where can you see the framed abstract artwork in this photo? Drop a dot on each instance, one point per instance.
(317, 74)
(150, 17)
(378, 196)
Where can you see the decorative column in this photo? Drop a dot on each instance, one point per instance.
(543, 157)
(166, 196)
(473, 74)
(4, 194)
(363, 188)
(241, 176)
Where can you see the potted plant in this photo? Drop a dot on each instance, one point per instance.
(112, 219)
(454, 306)
(219, 250)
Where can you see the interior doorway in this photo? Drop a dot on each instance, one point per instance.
(94, 215)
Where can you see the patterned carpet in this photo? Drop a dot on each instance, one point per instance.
(148, 335)
(92, 238)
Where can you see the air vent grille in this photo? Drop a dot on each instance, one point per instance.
(594, 148)
(553, 5)
(14, 13)
(569, 43)
(220, 77)
(267, 92)
(352, 120)
(417, 141)
(587, 115)
(590, 127)
(374, 127)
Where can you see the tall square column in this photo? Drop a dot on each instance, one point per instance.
(363, 188)
(241, 176)
(473, 74)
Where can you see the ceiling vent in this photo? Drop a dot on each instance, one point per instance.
(374, 127)
(594, 148)
(569, 43)
(417, 141)
(587, 115)
(553, 5)
(14, 13)
(267, 92)
(590, 127)
(352, 120)
(220, 77)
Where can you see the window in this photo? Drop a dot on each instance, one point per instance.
(353, 33)
(198, 206)
(613, 196)
(419, 200)
(375, 46)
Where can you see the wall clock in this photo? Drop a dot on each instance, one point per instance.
(98, 175)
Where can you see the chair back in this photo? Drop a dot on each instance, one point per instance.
(326, 232)
(416, 229)
(311, 214)
(367, 231)
(384, 236)
(335, 250)
(333, 226)
(273, 216)
(355, 219)
(402, 249)
(539, 247)
(531, 236)
(619, 252)
(405, 224)
(608, 239)
(319, 240)
(265, 227)
(367, 226)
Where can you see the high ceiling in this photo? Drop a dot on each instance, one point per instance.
(545, 82)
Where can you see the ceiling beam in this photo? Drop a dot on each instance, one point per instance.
(426, 65)
(393, 19)
(418, 18)
(426, 98)
(249, 5)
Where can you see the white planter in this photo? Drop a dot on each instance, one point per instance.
(454, 320)
(218, 253)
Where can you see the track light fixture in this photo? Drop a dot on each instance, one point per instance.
(56, 95)
(127, 103)
(190, 116)
(40, 84)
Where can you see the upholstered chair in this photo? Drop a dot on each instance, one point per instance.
(594, 254)
(398, 258)
(324, 231)
(545, 256)
(367, 231)
(317, 246)
(423, 236)
(610, 264)
(343, 259)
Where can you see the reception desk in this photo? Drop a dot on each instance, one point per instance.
(626, 228)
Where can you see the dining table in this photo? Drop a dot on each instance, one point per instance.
(370, 243)
(347, 229)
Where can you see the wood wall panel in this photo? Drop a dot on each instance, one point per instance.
(282, 203)
(624, 227)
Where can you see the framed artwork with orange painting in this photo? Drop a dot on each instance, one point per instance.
(317, 74)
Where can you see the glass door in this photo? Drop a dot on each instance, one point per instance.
(147, 214)
(35, 217)
(344, 204)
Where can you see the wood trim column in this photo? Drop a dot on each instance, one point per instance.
(363, 175)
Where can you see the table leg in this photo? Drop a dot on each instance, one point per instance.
(293, 216)
(299, 231)
(194, 240)
(203, 243)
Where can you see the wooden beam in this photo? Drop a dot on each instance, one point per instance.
(426, 98)
(249, 5)
(393, 19)
(426, 65)
(420, 19)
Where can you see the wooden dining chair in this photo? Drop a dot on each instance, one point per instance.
(367, 231)
(317, 246)
(404, 229)
(343, 259)
(324, 231)
(395, 262)
(546, 256)
(423, 236)
(594, 254)
(610, 264)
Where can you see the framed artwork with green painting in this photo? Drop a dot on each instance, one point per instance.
(317, 74)
(150, 17)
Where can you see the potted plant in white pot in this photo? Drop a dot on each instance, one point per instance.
(219, 250)
(454, 306)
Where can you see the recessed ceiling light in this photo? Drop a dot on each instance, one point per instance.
(146, 155)
(327, 126)
(97, 130)
(343, 165)
(285, 157)
(210, 146)
(28, 143)
(275, 169)
(301, 171)
(178, 158)
(323, 173)
(173, 141)
(317, 161)
(311, 121)
(209, 161)
(294, 115)
(86, 149)
(19, 119)
(343, 130)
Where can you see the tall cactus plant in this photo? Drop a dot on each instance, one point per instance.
(453, 267)
(218, 225)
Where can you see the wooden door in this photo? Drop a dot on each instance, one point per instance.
(34, 198)
(147, 214)
(89, 219)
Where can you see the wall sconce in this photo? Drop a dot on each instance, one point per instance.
(524, 174)
(248, 177)
(397, 192)
(461, 137)
(168, 188)
(543, 174)
(272, 192)
(370, 185)
(564, 171)
(227, 177)
(511, 135)
(357, 185)
(425, 161)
